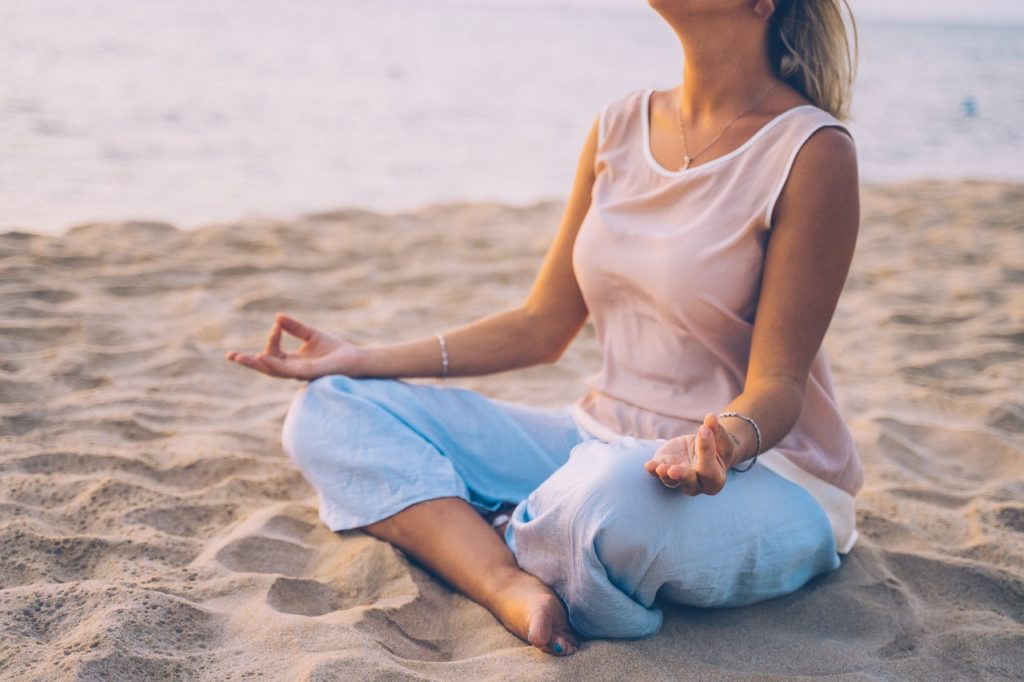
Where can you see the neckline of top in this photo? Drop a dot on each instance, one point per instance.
(645, 104)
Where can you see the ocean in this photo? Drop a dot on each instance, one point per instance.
(199, 111)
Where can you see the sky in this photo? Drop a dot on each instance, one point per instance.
(973, 11)
(959, 11)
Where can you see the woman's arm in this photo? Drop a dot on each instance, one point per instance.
(809, 252)
(538, 331)
(496, 343)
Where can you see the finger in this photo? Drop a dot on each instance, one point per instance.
(252, 362)
(676, 471)
(241, 359)
(273, 346)
(294, 327)
(660, 471)
(687, 479)
(691, 481)
(668, 481)
(683, 475)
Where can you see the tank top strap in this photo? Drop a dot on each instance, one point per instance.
(614, 117)
(616, 124)
(797, 126)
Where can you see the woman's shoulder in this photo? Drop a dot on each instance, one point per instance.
(616, 111)
(803, 112)
(816, 134)
(805, 125)
(625, 97)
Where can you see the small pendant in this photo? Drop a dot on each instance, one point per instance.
(686, 162)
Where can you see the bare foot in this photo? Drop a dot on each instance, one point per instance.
(531, 611)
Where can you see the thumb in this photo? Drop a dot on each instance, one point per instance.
(723, 442)
(706, 447)
(708, 465)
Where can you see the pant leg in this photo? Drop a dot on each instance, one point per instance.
(609, 538)
(371, 447)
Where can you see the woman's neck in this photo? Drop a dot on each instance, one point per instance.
(721, 77)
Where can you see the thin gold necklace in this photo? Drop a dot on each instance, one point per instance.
(687, 159)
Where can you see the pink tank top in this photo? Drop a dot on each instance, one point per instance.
(669, 264)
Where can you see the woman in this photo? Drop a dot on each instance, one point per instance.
(646, 486)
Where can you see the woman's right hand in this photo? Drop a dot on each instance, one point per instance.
(321, 353)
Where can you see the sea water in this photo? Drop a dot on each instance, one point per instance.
(197, 111)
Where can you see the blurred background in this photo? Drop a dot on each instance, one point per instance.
(200, 111)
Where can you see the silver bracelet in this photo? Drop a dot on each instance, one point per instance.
(757, 434)
(444, 355)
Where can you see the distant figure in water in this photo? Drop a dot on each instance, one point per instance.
(709, 233)
(970, 107)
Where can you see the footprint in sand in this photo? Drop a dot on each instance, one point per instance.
(288, 527)
(309, 597)
(258, 554)
(313, 574)
(1012, 518)
(960, 584)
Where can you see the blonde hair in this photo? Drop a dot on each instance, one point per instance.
(809, 48)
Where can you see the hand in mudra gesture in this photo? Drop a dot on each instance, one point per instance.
(695, 463)
(321, 353)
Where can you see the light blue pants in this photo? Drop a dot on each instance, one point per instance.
(590, 522)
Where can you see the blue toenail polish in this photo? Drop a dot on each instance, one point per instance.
(557, 648)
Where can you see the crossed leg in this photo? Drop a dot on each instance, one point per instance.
(403, 462)
(451, 539)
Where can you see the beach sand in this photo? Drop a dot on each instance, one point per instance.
(152, 528)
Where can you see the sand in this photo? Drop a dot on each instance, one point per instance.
(152, 528)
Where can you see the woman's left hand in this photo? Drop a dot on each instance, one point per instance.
(695, 463)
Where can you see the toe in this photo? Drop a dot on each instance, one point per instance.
(540, 631)
(562, 646)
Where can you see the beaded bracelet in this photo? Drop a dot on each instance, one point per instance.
(444, 355)
(757, 434)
